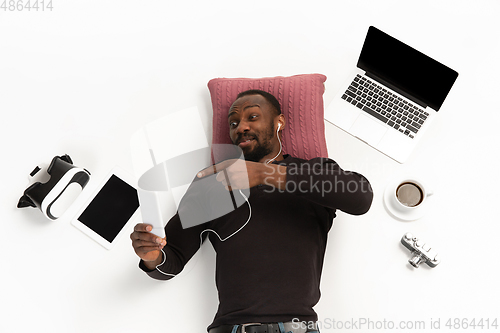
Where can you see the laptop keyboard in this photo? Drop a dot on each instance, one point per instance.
(385, 106)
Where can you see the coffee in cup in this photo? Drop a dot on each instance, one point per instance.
(409, 194)
(407, 198)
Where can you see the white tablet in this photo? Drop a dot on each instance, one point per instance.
(110, 209)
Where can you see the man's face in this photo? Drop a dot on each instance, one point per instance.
(251, 127)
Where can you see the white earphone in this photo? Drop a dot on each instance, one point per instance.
(279, 126)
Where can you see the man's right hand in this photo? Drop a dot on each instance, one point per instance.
(147, 245)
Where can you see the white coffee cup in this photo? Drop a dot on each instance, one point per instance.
(409, 194)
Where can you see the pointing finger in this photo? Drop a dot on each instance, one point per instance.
(213, 169)
(208, 171)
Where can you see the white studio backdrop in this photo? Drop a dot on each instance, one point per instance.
(83, 77)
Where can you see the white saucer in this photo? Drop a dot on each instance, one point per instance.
(411, 214)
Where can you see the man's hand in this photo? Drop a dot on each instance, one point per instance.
(236, 174)
(146, 245)
(239, 174)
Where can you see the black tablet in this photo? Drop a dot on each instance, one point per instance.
(107, 213)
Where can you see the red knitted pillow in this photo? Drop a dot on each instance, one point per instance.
(301, 100)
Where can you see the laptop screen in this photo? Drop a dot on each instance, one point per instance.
(406, 70)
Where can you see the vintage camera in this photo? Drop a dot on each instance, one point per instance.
(422, 252)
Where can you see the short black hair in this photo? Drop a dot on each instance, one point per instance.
(269, 97)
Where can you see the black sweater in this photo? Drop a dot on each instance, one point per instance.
(270, 270)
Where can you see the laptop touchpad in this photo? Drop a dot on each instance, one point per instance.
(368, 130)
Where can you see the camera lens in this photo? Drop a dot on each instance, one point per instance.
(416, 260)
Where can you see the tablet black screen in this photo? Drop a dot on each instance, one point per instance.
(111, 208)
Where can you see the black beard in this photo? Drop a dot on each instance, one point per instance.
(261, 150)
(258, 153)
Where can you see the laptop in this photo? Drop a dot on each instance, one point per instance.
(392, 96)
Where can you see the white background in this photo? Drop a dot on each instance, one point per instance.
(80, 79)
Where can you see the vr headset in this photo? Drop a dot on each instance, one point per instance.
(54, 196)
